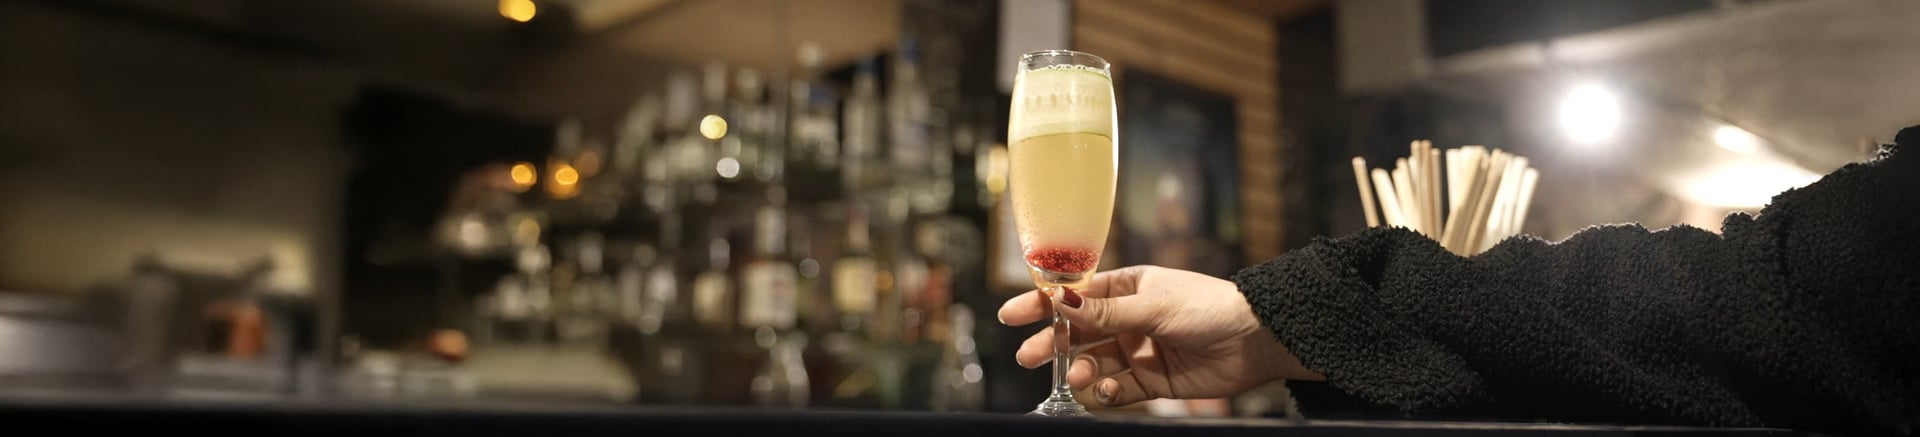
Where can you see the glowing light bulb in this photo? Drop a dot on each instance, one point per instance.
(1589, 114)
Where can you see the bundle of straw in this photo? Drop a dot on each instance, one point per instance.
(1487, 194)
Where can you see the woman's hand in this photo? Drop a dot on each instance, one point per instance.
(1177, 335)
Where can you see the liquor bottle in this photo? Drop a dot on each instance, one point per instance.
(853, 381)
(908, 113)
(768, 309)
(815, 307)
(892, 357)
(659, 180)
(905, 271)
(958, 383)
(910, 275)
(750, 127)
(663, 306)
(589, 295)
(690, 134)
(715, 299)
(631, 287)
(813, 129)
(597, 283)
(672, 359)
(636, 143)
(937, 287)
(768, 281)
(523, 298)
(782, 379)
(853, 274)
(713, 290)
(861, 119)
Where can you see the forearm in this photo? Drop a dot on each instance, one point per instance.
(1799, 318)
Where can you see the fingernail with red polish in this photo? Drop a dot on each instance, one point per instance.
(1070, 297)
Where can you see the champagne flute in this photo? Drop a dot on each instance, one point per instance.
(1062, 128)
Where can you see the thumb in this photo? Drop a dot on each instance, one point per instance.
(1112, 315)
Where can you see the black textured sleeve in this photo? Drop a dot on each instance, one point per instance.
(1806, 316)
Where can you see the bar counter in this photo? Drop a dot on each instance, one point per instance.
(120, 415)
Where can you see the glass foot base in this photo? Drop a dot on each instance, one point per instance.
(1060, 406)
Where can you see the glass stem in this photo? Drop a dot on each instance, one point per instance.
(1062, 353)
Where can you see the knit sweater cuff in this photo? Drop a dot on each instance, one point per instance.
(1324, 303)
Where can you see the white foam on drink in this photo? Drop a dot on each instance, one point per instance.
(1061, 99)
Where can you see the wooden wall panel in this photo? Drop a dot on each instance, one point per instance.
(1212, 46)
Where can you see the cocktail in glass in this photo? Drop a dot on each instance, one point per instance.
(1062, 174)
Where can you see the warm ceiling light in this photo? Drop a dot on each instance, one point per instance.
(518, 10)
(1590, 114)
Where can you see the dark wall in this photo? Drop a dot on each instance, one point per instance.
(124, 136)
(1456, 26)
(1312, 134)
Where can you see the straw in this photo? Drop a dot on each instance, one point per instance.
(1366, 191)
(1389, 205)
(1482, 211)
(1434, 205)
(1402, 190)
(1487, 193)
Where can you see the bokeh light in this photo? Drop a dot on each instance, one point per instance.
(713, 127)
(518, 10)
(522, 174)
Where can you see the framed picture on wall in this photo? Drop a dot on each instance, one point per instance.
(1179, 193)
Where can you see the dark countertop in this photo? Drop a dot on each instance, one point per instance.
(292, 417)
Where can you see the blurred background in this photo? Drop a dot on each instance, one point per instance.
(798, 203)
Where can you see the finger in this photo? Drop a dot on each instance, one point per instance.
(1036, 350)
(1028, 307)
(1095, 363)
(1145, 377)
(1121, 389)
(1114, 283)
(1034, 305)
(1133, 314)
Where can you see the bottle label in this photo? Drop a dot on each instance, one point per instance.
(661, 288)
(767, 295)
(710, 299)
(853, 287)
